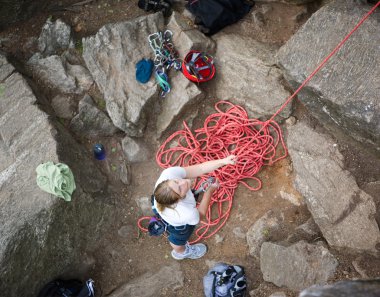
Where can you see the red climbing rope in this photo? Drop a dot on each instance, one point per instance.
(225, 133)
(324, 61)
(255, 144)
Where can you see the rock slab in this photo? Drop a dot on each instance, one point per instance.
(298, 266)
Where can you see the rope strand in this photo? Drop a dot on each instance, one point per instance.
(255, 144)
(224, 133)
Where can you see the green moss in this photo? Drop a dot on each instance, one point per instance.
(101, 103)
(265, 232)
(79, 46)
(62, 121)
(2, 89)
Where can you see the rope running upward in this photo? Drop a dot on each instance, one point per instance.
(232, 132)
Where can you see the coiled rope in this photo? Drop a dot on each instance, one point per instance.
(224, 133)
(255, 144)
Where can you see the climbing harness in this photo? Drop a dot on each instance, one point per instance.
(165, 58)
(198, 67)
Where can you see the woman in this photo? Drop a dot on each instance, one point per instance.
(175, 203)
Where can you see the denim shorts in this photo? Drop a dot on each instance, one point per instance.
(180, 235)
(177, 235)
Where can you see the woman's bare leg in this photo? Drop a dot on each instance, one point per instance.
(178, 248)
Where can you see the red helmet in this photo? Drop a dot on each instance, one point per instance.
(198, 66)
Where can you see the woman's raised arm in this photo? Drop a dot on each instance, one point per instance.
(206, 167)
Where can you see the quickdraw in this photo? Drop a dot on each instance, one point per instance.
(166, 57)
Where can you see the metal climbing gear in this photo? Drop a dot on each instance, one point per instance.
(165, 58)
(205, 185)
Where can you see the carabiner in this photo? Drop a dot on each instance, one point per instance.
(205, 185)
(167, 35)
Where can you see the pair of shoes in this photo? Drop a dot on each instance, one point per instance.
(194, 251)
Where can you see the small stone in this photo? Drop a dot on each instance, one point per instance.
(78, 27)
(278, 294)
(239, 232)
(126, 232)
(218, 238)
(258, 18)
(290, 121)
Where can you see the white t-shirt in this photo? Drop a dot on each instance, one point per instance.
(185, 210)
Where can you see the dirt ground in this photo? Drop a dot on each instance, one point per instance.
(125, 253)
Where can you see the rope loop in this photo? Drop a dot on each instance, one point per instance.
(229, 131)
(162, 80)
(226, 132)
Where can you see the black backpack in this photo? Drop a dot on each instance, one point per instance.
(68, 288)
(225, 280)
(156, 5)
(213, 15)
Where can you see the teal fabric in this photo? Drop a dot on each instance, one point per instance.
(56, 179)
(144, 69)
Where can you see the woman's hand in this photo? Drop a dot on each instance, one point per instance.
(194, 171)
(230, 160)
(215, 185)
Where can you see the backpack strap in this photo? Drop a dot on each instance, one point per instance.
(49, 289)
(239, 285)
(88, 289)
(215, 274)
(221, 278)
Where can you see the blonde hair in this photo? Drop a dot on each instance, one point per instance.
(165, 196)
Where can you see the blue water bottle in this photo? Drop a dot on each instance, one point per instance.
(99, 151)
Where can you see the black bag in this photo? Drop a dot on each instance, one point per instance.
(155, 5)
(156, 226)
(214, 15)
(225, 280)
(68, 288)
